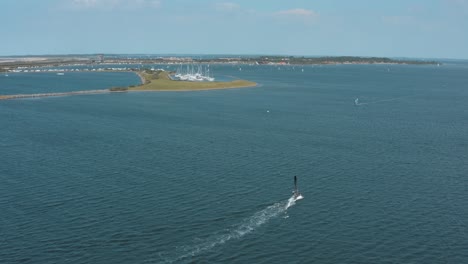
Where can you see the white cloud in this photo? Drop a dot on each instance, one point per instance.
(147, 3)
(111, 4)
(296, 15)
(227, 6)
(84, 3)
(88, 4)
(297, 12)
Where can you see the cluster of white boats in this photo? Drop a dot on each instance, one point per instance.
(194, 73)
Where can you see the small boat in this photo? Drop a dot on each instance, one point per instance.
(60, 73)
(296, 194)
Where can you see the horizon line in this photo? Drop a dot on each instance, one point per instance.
(224, 54)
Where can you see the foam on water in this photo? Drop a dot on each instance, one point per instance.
(357, 103)
(246, 226)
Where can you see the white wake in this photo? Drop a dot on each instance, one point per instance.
(357, 103)
(248, 225)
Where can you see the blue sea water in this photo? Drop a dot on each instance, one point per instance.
(205, 177)
(50, 82)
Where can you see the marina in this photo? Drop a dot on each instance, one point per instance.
(194, 73)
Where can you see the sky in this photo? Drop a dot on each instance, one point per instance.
(384, 28)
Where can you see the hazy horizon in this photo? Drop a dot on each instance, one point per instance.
(219, 54)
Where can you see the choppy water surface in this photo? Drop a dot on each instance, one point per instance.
(205, 177)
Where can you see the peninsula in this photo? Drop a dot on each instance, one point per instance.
(161, 81)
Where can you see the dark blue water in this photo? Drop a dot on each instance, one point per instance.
(50, 82)
(205, 177)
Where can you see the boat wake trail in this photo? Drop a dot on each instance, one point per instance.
(246, 226)
(357, 103)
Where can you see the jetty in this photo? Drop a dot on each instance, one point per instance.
(19, 96)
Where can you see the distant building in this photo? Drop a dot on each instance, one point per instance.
(101, 58)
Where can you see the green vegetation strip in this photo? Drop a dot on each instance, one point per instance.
(160, 81)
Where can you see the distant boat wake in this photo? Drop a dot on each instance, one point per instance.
(247, 226)
(357, 103)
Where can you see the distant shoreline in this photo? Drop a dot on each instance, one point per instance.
(58, 61)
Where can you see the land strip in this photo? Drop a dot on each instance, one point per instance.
(161, 81)
(150, 81)
(19, 96)
(24, 62)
